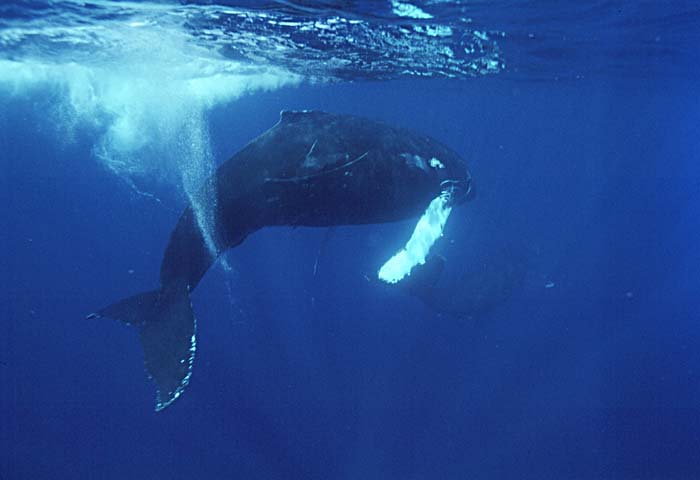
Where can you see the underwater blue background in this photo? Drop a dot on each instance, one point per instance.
(305, 369)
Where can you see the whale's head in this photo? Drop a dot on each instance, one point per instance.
(443, 168)
(454, 176)
(449, 183)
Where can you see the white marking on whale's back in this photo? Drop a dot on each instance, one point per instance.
(435, 163)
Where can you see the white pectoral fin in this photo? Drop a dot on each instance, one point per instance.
(428, 229)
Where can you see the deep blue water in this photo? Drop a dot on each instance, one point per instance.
(584, 362)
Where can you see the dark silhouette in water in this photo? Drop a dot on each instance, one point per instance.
(481, 285)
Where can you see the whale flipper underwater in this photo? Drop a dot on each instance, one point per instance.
(310, 169)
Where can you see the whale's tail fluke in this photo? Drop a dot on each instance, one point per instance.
(167, 327)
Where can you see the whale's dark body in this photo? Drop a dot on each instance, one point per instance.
(310, 169)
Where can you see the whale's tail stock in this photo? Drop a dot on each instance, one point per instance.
(167, 328)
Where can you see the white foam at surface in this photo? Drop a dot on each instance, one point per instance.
(138, 106)
(428, 229)
(140, 87)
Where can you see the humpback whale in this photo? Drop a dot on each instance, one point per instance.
(310, 169)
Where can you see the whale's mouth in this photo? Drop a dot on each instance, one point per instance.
(459, 191)
(428, 229)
